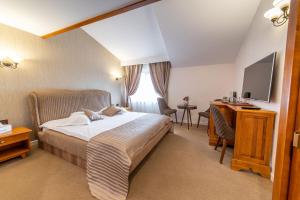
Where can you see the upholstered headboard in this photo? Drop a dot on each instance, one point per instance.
(56, 104)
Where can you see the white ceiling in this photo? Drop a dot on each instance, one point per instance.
(133, 37)
(204, 32)
(40, 17)
(188, 33)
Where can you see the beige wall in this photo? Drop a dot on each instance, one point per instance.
(262, 39)
(202, 84)
(72, 60)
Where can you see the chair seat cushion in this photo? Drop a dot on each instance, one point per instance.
(169, 111)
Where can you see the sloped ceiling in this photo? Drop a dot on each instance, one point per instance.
(188, 33)
(204, 32)
(133, 37)
(40, 17)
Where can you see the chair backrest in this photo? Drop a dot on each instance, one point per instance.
(162, 104)
(222, 128)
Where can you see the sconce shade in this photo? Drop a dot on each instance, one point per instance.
(281, 3)
(273, 13)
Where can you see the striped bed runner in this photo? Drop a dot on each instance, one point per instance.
(110, 155)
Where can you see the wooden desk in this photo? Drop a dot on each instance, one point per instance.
(253, 137)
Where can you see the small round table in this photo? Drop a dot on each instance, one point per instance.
(187, 109)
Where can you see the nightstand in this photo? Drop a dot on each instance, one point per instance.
(14, 143)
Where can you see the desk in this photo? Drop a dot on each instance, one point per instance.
(187, 109)
(253, 137)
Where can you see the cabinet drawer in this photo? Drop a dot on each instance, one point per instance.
(13, 139)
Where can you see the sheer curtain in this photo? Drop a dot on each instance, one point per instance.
(145, 98)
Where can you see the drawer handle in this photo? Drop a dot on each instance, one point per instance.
(2, 142)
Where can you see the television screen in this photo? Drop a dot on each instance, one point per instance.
(258, 79)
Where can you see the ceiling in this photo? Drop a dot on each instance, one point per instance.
(204, 32)
(40, 17)
(133, 37)
(188, 33)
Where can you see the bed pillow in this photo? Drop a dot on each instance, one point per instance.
(111, 111)
(93, 116)
(76, 119)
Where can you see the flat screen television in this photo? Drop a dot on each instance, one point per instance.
(258, 77)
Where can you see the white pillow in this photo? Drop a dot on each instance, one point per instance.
(122, 109)
(75, 119)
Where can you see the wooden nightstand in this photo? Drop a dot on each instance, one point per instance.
(14, 143)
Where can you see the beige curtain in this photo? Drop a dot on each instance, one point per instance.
(132, 78)
(160, 74)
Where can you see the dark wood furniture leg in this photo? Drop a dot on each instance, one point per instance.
(188, 117)
(198, 121)
(218, 142)
(223, 150)
(176, 117)
(182, 116)
(191, 119)
(208, 127)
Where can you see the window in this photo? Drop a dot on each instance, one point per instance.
(145, 98)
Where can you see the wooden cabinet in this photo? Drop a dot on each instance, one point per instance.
(253, 142)
(14, 144)
(253, 137)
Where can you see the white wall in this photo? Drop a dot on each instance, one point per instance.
(71, 60)
(262, 39)
(202, 84)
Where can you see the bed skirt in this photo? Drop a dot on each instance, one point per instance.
(76, 160)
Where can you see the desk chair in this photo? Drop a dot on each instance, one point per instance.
(165, 109)
(223, 130)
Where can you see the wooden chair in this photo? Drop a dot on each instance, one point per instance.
(165, 109)
(223, 130)
(203, 114)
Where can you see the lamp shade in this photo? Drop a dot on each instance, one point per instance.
(273, 13)
(281, 3)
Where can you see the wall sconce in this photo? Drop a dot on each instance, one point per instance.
(117, 75)
(280, 13)
(9, 59)
(118, 78)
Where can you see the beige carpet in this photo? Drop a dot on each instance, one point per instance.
(182, 167)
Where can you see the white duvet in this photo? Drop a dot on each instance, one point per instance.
(80, 127)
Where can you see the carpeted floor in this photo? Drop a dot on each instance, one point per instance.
(182, 167)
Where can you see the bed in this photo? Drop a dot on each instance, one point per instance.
(108, 156)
